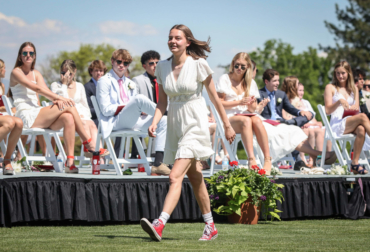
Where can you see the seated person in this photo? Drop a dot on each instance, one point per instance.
(359, 77)
(121, 106)
(68, 87)
(278, 101)
(96, 70)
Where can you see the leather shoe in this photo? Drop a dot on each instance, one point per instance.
(162, 169)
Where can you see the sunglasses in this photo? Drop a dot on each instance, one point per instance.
(366, 86)
(241, 66)
(152, 63)
(26, 53)
(125, 63)
(63, 73)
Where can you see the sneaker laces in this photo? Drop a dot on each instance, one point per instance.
(207, 230)
(156, 223)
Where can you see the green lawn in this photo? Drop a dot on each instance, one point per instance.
(332, 234)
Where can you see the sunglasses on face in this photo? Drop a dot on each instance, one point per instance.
(366, 86)
(152, 63)
(26, 53)
(125, 63)
(241, 66)
(63, 73)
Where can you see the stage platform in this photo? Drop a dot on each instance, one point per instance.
(49, 196)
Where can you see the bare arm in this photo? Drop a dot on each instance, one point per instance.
(330, 107)
(231, 104)
(210, 86)
(159, 111)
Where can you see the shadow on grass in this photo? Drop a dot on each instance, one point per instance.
(131, 237)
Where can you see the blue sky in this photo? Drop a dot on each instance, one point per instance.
(138, 26)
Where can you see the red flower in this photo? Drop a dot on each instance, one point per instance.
(234, 163)
(262, 172)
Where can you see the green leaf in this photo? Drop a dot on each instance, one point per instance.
(275, 215)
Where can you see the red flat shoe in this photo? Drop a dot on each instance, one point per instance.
(87, 153)
(72, 168)
(103, 152)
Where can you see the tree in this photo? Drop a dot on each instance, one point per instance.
(311, 69)
(352, 36)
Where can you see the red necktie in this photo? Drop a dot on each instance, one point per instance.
(156, 89)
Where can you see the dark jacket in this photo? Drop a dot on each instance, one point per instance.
(90, 90)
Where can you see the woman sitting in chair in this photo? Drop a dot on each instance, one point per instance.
(342, 96)
(25, 84)
(238, 96)
(68, 87)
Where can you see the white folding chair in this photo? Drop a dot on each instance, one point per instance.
(230, 148)
(46, 133)
(82, 159)
(125, 134)
(342, 153)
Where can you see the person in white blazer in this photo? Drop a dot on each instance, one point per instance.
(121, 107)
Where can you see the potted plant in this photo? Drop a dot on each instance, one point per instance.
(240, 190)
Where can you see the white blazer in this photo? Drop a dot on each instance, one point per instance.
(108, 97)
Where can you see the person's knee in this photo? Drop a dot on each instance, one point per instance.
(195, 177)
(363, 118)
(174, 179)
(360, 131)
(246, 122)
(18, 123)
(67, 119)
(9, 124)
(141, 98)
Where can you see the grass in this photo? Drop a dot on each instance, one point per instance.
(307, 235)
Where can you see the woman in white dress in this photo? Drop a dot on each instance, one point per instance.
(343, 95)
(68, 87)
(26, 83)
(282, 139)
(233, 90)
(181, 79)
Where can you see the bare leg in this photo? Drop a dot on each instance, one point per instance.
(179, 169)
(263, 141)
(358, 144)
(306, 148)
(199, 187)
(13, 125)
(243, 125)
(41, 141)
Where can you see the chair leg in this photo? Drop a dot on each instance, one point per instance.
(60, 147)
(113, 156)
(143, 157)
(49, 148)
(127, 151)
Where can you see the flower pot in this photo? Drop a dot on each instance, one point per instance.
(249, 214)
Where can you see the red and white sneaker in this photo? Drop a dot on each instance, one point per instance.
(209, 233)
(153, 229)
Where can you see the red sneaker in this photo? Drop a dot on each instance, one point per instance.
(209, 233)
(153, 229)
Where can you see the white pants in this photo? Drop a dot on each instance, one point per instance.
(130, 118)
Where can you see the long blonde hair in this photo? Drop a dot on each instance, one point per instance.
(350, 85)
(247, 78)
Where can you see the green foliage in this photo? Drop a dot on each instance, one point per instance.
(352, 35)
(228, 190)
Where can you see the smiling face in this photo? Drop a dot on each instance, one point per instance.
(97, 73)
(300, 91)
(273, 84)
(341, 75)
(177, 42)
(26, 57)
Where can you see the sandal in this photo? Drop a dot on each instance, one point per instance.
(268, 171)
(7, 170)
(72, 168)
(356, 169)
(252, 167)
(87, 153)
(103, 152)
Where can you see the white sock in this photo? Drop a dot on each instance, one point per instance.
(164, 217)
(208, 218)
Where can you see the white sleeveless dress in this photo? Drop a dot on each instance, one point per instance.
(187, 121)
(338, 124)
(26, 103)
(282, 139)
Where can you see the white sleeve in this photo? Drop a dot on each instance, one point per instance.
(103, 97)
(222, 86)
(59, 89)
(157, 73)
(309, 107)
(203, 70)
(253, 91)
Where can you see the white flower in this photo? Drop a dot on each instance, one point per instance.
(279, 100)
(362, 101)
(367, 96)
(131, 85)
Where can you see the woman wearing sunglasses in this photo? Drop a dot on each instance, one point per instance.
(233, 90)
(68, 87)
(181, 78)
(26, 83)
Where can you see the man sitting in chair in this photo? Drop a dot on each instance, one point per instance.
(278, 101)
(122, 108)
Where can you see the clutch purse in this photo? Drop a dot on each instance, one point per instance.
(272, 122)
(350, 113)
